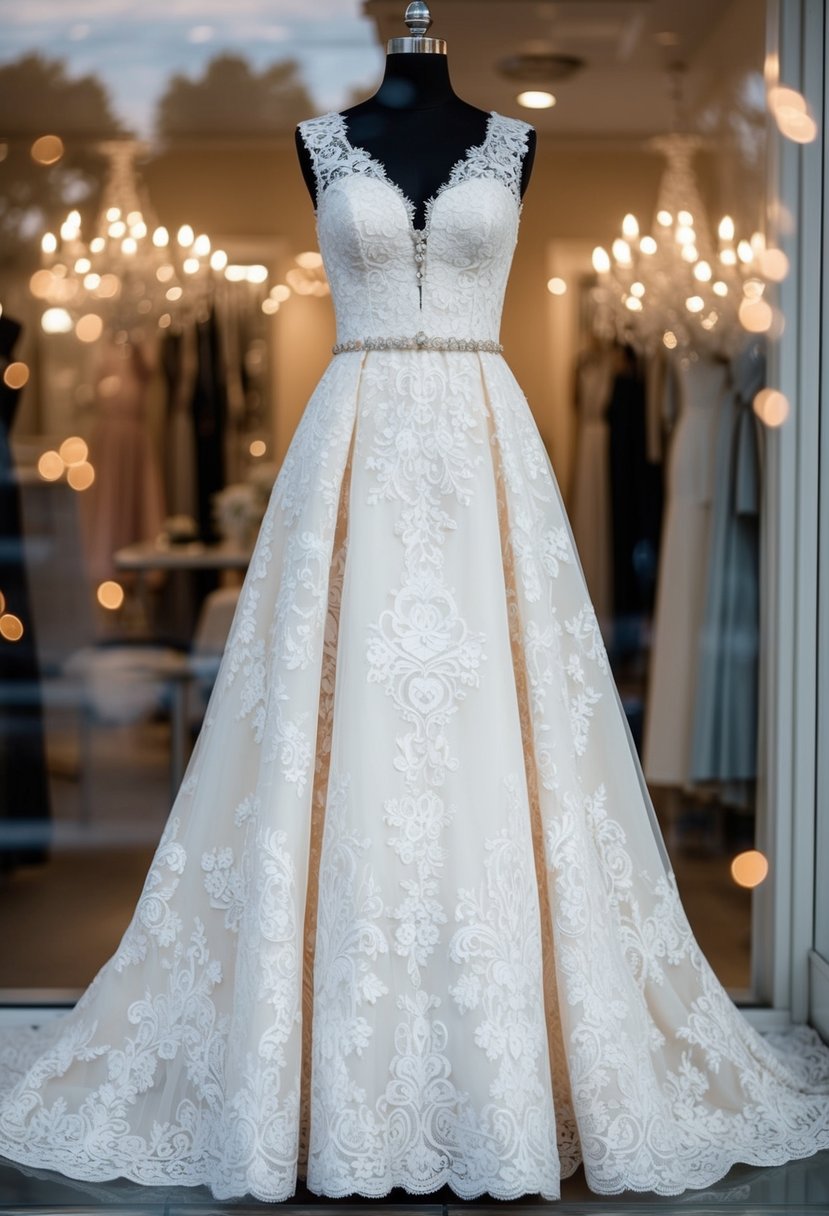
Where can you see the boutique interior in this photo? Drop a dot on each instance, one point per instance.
(165, 317)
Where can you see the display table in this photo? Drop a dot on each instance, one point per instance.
(195, 555)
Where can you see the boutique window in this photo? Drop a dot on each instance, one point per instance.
(166, 313)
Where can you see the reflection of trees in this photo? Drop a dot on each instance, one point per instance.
(231, 98)
(37, 97)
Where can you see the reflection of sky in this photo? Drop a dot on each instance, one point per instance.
(134, 46)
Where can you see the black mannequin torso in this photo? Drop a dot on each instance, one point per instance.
(416, 127)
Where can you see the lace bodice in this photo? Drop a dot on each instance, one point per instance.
(446, 279)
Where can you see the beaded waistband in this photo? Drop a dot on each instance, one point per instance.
(420, 341)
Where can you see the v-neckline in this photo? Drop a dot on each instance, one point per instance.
(409, 205)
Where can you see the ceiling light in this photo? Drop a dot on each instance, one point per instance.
(536, 99)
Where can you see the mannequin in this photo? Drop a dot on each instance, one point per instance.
(415, 125)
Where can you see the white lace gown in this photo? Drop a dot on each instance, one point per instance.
(409, 923)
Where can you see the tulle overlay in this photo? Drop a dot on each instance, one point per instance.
(409, 922)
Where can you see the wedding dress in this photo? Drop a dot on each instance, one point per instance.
(411, 922)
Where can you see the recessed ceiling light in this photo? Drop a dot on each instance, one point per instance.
(535, 99)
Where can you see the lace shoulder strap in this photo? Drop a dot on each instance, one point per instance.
(331, 154)
(501, 155)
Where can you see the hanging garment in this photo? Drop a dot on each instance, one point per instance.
(725, 719)
(636, 502)
(411, 921)
(683, 561)
(179, 363)
(209, 416)
(125, 502)
(25, 808)
(590, 507)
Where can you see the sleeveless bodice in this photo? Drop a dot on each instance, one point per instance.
(388, 277)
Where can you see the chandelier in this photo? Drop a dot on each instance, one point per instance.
(132, 273)
(676, 285)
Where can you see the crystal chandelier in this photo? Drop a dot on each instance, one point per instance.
(677, 286)
(131, 274)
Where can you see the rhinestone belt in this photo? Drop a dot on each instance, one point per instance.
(420, 341)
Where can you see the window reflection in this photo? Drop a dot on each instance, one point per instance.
(165, 316)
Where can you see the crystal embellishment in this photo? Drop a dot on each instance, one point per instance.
(420, 341)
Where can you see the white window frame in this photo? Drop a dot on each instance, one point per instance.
(783, 924)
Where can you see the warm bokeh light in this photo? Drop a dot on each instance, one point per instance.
(601, 260)
(536, 99)
(50, 466)
(56, 321)
(258, 447)
(281, 292)
(11, 627)
(108, 287)
(270, 306)
(48, 242)
(201, 245)
(47, 150)
(630, 226)
(750, 868)
(40, 284)
(161, 237)
(218, 259)
(2, 603)
(73, 450)
(695, 303)
(755, 315)
(669, 339)
(71, 226)
(311, 260)
(800, 128)
(726, 228)
(185, 236)
(621, 251)
(774, 264)
(791, 113)
(771, 406)
(556, 286)
(81, 476)
(782, 98)
(89, 327)
(648, 245)
(110, 594)
(16, 375)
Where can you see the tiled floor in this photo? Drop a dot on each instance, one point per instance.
(798, 1187)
